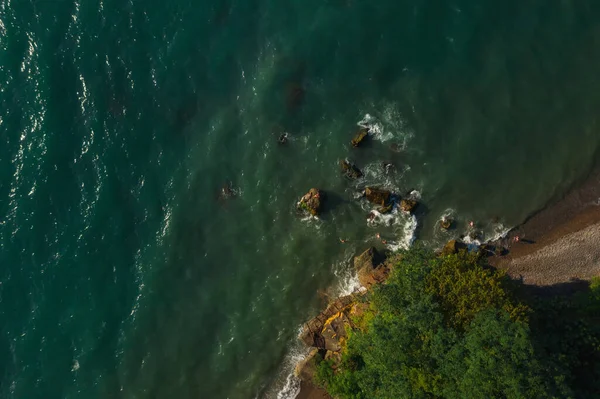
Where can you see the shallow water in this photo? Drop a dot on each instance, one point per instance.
(124, 274)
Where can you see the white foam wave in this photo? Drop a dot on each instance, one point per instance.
(499, 231)
(347, 281)
(391, 126)
(408, 235)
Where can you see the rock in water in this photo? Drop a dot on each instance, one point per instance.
(360, 137)
(311, 201)
(446, 223)
(350, 170)
(377, 196)
(408, 205)
(385, 209)
(283, 138)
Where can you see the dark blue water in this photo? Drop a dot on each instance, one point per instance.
(124, 273)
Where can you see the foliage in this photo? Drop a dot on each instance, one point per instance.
(450, 327)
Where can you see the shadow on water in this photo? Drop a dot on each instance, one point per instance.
(332, 202)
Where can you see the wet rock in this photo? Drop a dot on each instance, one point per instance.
(311, 202)
(350, 170)
(360, 137)
(408, 205)
(387, 167)
(446, 223)
(227, 192)
(453, 247)
(385, 209)
(283, 138)
(377, 196)
(307, 368)
(370, 268)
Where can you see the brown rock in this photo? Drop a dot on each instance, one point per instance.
(370, 269)
(335, 332)
(446, 223)
(452, 247)
(408, 205)
(311, 201)
(377, 196)
(385, 209)
(360, 137)
(350, 170)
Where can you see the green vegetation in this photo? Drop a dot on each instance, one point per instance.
(450, 327)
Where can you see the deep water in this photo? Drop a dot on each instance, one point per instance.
(125, 273)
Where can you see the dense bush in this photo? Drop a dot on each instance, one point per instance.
(450, 327)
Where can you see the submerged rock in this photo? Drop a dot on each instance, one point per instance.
(350, 170)
(360, 137)
(294, 95)
(408, 205)
(446, 223)
(226, 192)
(378, 196)
(311, 202)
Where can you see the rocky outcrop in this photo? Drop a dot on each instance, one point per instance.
(378, 196)
(335, 332)
(453, 247)
(312, 333)
(370, 268)
(311, 202)
(360, 137)
(327, 333)
(350, 170)
(408, 205)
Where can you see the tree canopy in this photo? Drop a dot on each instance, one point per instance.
(451, 327)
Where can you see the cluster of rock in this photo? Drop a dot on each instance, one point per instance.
(327, 333)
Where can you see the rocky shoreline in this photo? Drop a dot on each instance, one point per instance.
(556, 246)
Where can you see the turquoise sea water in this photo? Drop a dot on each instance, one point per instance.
(122, 272)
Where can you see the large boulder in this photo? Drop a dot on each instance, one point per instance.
(408, 205)
(369, 268)
(378, 196)
(350, 170)
(360, 137)
(311, 202)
